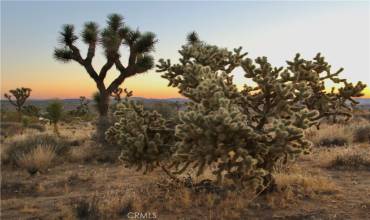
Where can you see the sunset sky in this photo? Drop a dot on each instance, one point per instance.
(278, 30)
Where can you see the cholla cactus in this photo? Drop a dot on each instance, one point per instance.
(20, 95)
(142, 135)
(83, 107)
(241, 134)
(116, 94)
(246, 132)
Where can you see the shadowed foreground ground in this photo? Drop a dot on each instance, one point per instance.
(313, 188)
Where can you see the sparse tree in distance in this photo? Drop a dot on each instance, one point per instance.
(111, 38)
(20, 95)
(54, 113)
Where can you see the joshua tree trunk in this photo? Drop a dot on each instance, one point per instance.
(103, 105)
(56, 129)
(103, 121)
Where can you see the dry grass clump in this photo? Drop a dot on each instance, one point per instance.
(37, 126)
(362, 134)
(305, 184)
(82, 153)
(353, 157)
(8, 129)
(351, 161)
(330, 135)
(38, 159)
(175, 198)
(111, 204)
(23, 144)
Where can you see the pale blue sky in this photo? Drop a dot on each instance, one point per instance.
(340, 30)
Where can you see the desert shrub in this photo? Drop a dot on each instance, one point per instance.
(38, 159)
(240, 134)
(351, 161)
(31, 110)
(337, 141)
(38, 127)
(27, 143)
(304, 184)
(10, 116)
(362, 134)
(109, 205)
(25, 121)
(330, 135)
(10, 128)
(54, 114)
(81, 153)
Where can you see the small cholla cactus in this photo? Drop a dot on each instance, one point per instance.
(20, 95)
(142, 135)
(116, 94)
(83, 107)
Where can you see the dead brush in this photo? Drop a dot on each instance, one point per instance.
(351, 161)
(305, 184)
(85, 152)
(330, 135)
(112, 204)
(37, 160)
(362, 134)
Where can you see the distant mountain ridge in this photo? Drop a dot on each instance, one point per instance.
(72, 103)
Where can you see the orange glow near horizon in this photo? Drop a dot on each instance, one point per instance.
(142, 86)
(146, 85)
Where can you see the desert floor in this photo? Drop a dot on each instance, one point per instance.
(87, 182)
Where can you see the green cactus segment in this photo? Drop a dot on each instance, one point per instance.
(142, 135)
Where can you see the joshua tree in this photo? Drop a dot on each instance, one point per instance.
(20, 95)
(111, 38)
(54, 113)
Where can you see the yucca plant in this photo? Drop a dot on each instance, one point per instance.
(54, 113)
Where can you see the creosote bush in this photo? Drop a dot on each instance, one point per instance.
(240, 134)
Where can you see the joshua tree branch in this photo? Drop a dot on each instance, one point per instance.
(76, 54)
(90, 52)
(104, 70)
